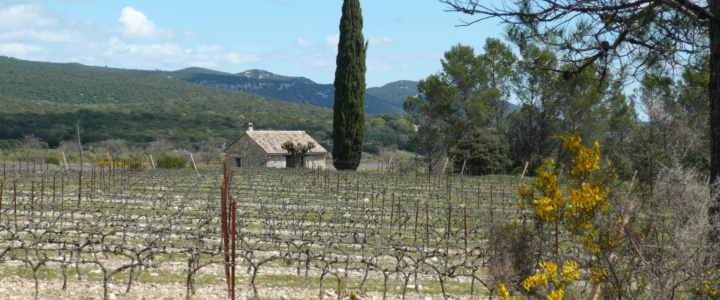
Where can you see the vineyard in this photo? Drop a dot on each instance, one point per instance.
(329, 234)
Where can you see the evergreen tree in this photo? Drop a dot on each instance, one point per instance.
(349, 107)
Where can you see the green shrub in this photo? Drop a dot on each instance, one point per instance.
(377, 122)
(53, 160)
(166, 161)
(12, 145)
(482, 149)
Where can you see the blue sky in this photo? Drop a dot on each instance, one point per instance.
(287, 37)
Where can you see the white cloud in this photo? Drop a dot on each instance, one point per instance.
(22, 51)
(379, 67)
(137, 26)
(190, 36)
(42, 36)
(332, 41)
(381, 42)
(22, 16)
(303, 43)
(37, 1)
(172, 56)
(313, 61)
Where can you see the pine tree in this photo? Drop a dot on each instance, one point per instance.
(349, 107)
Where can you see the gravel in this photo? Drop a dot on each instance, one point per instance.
(15, 287)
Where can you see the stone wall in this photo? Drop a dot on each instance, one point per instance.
(245, 148)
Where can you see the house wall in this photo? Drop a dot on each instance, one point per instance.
(311, 161)
(276, 161)
(249, 151)
(315, 160)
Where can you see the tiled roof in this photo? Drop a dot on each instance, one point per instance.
(271, 141)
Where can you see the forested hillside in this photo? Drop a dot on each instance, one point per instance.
(48, 99)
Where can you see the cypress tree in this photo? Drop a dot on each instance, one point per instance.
(349, 108)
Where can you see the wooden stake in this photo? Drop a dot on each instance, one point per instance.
(65, 162)
(194, 166)
(524, 170)
(152, 162)
(390, 163)
(79, 188)
(447, 159)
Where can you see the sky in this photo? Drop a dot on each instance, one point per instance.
(407, 38)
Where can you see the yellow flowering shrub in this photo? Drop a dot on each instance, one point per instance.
(630, 243)
(552, 280)
(574, 200)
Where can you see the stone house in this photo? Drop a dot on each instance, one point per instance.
(264, 148)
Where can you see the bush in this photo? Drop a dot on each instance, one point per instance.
(135, 165)
(170, 162)
(12, 145)
(54, 160)
(485, 151)
(378, 122)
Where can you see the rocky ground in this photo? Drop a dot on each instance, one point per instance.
(15, 287)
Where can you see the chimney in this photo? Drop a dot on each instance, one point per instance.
(250, 127)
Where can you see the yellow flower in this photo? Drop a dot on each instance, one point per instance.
(556, 295)
(503, 292)
(570, 272)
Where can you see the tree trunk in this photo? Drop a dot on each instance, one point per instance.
(714, 92)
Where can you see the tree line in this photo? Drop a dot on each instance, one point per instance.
(462, 111)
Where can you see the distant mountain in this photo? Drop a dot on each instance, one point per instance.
(386, 99)
(262, 74)
(395, 92)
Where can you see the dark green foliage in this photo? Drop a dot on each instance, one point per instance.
(53, 160)
(531, 128)
(488, 153)
(349, 107)
(167, 161)
(297, 151)
(470, 91)
(438, 115)
(12, 145)
(394, 134)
